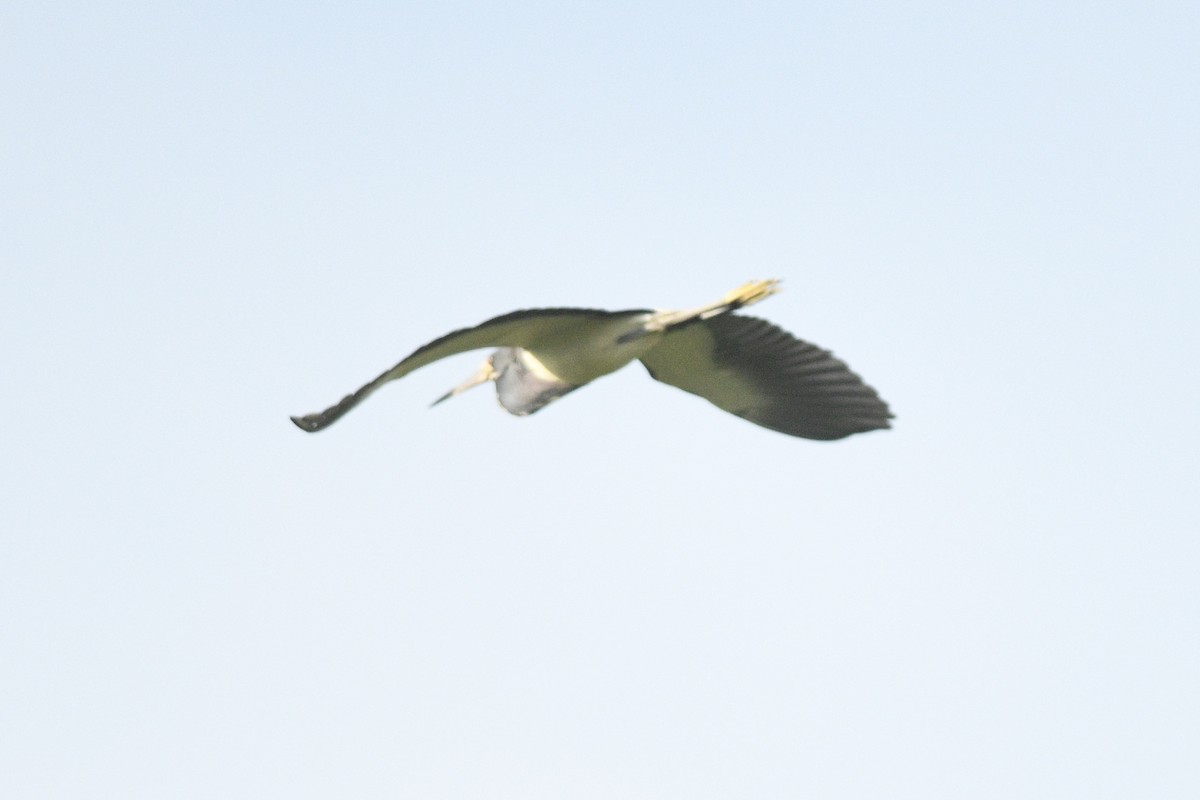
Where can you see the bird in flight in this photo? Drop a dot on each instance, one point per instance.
(743, 365)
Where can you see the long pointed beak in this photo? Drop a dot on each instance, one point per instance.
(482, 375)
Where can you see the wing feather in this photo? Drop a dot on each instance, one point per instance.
(762, 373)
(516, 329)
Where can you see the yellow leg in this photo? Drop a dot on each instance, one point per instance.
(744, 295)
(750, 293)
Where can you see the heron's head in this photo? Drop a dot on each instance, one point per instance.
(523, 384)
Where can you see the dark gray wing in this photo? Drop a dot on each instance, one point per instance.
(762, 373)
(517, 329)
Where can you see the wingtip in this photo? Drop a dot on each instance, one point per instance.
(307, 423)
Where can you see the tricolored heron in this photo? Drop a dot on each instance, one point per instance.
(744, 365)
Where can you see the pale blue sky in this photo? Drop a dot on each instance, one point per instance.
(220, 215)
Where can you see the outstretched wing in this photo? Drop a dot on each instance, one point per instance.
(518, 329)
(762, 373)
